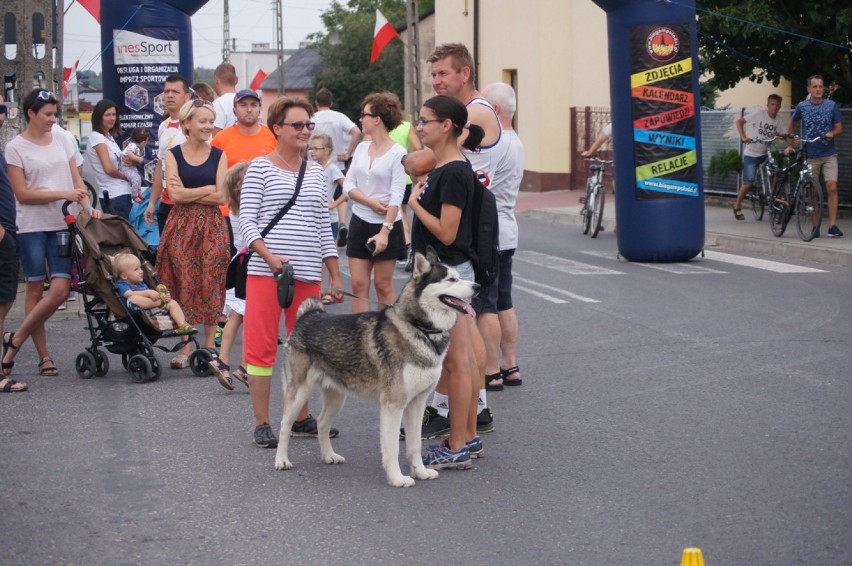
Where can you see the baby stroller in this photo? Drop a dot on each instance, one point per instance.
(133, 335)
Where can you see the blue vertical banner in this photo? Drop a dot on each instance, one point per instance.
(653, 54)
(144, 41)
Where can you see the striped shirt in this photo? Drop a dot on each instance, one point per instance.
(303, 235)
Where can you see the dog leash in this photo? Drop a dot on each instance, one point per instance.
(346, 293)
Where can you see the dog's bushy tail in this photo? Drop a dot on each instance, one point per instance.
(310, 304)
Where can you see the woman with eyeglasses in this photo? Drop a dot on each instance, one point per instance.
(443, 219)
(44, 175)
(375, 183)
(104, 156)
(302, 238)
(193, 256)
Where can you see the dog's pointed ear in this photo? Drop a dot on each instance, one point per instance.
(421, 264)
(432, 255)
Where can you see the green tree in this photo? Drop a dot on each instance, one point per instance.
(345, 51)
(742, 45)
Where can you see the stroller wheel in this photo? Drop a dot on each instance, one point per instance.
(86, 365)
(101, 363)
(199, 362)
(140, 369)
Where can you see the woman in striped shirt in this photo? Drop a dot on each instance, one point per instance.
(302, 238)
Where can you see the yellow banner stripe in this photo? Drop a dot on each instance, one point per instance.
(670, 165)
(658, 74)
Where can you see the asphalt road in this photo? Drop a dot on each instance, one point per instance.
(665, 406)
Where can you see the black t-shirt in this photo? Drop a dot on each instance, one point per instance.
(451, 184)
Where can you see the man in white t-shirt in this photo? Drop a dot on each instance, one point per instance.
(336, 125)
(225, 83)
(169, 134)
(759, 124)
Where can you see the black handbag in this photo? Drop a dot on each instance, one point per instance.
(237, 273)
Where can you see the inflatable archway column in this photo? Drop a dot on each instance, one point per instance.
(656, 129)
(143, 42)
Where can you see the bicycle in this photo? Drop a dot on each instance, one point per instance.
(761, 190)
(593, 202)
(805, 198)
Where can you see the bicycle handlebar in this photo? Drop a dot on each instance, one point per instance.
(770, 140)
(598, 160)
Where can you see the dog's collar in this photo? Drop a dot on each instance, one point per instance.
(428, 331)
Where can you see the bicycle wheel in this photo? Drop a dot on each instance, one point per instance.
(586, 212)
(597, 209)
(779, 208)
(755, 199)
(808, 210)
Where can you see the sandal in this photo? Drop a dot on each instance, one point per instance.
(738, 213)
(9, 386)
(181, 361)
(511, 382)
(490, 378)
(222, 371)
(327, 299)
(7, 345)
(47, 368)
(241, 375)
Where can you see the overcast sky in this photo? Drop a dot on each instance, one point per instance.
(251, 22)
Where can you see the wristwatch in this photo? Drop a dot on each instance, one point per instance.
(388, 225)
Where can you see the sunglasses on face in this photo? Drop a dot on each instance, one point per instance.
(371, 115)
(46, 95)
(421, 122)
(299, 126)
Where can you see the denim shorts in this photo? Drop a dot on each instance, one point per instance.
(499, 297)
(466, 271)
(38, 248)
(9, 260)
(750, 165)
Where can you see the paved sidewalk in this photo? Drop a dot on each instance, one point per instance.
(722, 230)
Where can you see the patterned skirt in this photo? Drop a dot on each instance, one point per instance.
(192, 260)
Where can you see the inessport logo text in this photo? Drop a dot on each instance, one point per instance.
(131, 48)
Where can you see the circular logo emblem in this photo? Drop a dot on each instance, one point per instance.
(662, 45)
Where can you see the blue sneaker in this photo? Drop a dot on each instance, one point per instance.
(441, 457)
(475, 448)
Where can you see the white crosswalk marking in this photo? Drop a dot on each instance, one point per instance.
(675, 268)
(564, 265)
(557, 290)
(766, 264)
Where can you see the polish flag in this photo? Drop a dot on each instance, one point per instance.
(258, 78)
(93, 7)
(67, 73)
(382, 36)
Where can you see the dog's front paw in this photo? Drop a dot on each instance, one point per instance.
(425, 473)
(401, 481)
(334, 458)
(282, 464)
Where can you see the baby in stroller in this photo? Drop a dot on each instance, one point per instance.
(129, 281)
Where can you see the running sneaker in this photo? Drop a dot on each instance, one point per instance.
(834, 232)
(485, 421)
(441, 457)
(264, 438)
(342, 233)
(434, 425)
(308, 427)
(475, 447)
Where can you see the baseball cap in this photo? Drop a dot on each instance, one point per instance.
(245, 93)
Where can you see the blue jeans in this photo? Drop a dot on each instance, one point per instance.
(38, 248)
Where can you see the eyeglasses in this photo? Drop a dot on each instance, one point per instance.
(421, 122)
(46, 95)
(299, 126)
(317, 148)
(371, 115)
(200, 103)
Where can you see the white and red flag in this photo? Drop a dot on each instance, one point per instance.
(258, 78)
(67, 73)
(93, 7)
(382, 36)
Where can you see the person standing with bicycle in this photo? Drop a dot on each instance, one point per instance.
(820, 117)
(761, 124)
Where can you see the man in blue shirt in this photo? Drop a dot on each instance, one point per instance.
(820, 116)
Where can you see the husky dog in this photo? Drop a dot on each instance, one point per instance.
(392, 357)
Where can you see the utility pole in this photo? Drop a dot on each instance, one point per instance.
(279, 44)
(415, 95)
(226, 36)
